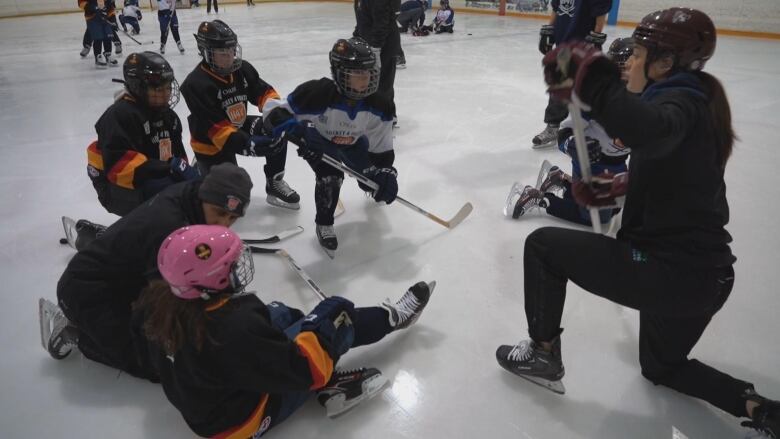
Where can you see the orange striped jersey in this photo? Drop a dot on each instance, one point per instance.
(90, 7)
(134, 144)
(218, 109)
(236, 380)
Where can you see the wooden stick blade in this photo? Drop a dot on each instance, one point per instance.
(460, 216)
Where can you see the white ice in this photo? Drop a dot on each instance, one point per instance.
(468, 105)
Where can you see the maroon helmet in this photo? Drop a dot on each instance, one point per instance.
(687, 34)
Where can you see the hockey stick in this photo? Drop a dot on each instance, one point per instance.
(291, 262)
(454, 221)
(575, 109)
(284, 234)
(131, 37)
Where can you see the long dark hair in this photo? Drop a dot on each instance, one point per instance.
(170, 321)
(721, 115)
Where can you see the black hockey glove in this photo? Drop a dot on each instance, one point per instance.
(310, 155)
(387, 179)
(182, 171)
(331, 320)
(546, 36)
(594, 149)
(596, 38)
(264, 146)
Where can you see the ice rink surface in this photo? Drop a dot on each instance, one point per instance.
(469, 104)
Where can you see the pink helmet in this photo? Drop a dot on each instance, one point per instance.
(200, 260)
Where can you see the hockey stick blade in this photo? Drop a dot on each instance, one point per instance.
(460, 216)
(276, 238)
(69, 226)
(262, 250)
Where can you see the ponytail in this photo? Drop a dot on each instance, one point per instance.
(170, 321)
(721, 115)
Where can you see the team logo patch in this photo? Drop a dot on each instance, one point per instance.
(92, 171)
(264, 425)
(236, 113)
(165, 149)
(343, 140)
(232, 203)
(203, 251)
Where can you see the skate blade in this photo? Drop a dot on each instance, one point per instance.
(69, 225)
(331, 253)
(509, 206)
(272, 200)
(549, 144)
(554, 386)
(45, 311)
(339, 405)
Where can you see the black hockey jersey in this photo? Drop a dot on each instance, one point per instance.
(228, 388)
(218, 109)
(134, 144)
(339, 120)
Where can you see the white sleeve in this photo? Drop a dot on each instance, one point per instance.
(380, 135)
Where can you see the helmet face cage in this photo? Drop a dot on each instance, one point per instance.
(143, 81)
(620, 51)
(242, 271)
(222, 60)
(347, 78)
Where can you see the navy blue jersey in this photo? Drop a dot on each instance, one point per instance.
(574, 19)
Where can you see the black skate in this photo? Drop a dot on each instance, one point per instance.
(547, 138)
(58, 335)
(280, 194)
(79, 234)
(180, 47)
(528, 360)
(408, 308)
(519, 202)
(327, 237)
(118, 48)
(85, 51)
(766, 417)
(348, 388)
(553, 180)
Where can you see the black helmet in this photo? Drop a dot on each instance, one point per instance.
(687, 34)
(216, 35)
(349, 57)
(146, 70)
(620, 50)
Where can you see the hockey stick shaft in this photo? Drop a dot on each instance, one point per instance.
(294, 265)
(462, 213)
(575, 109)
(131, 37)
(276, 238)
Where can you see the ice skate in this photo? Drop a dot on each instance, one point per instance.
(519, 202)
(280, 194)
(528, 360)
(766, 417)
(348, 388)
(327, 237)
(408, 308)
(110, 60)
(58, 335)
(180, 46)
(85, 51)
(118, 48)
(100, 61)
(547, 138)
(553, 181)
(80, 234)
(400, 62)
(162, 49)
